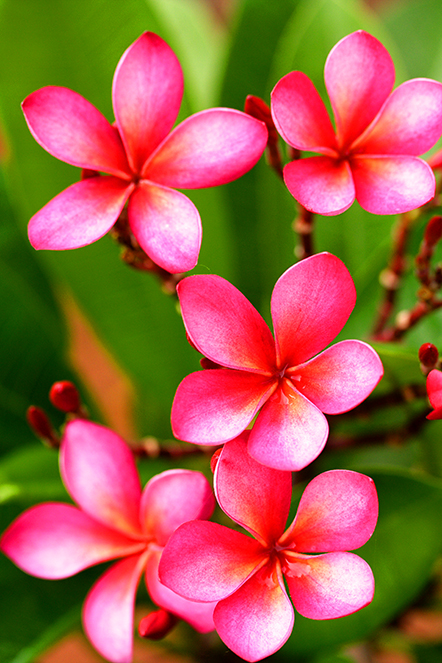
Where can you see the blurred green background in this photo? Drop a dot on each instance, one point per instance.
(85, 315)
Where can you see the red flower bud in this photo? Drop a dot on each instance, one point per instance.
(65, 397)
(433, 231)
(157, 624)
(428, 355)
(38, 420)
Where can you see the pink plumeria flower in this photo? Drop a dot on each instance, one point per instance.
(254, 617)
(372, 156)
(113, 519)
(279, 376)
(434, 391)
(144, 161)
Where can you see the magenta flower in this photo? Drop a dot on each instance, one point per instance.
(113, 519)
(372, 156)
(311, 302)
(434, 391)
(144, 161)
(254, 617)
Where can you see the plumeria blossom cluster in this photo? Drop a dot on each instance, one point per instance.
(262, 395)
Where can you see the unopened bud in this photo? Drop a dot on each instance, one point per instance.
(257, 107)
(38, 420)
(428, 355)
(208, 364)
(433, 231)
(65, 397)
(157, 624)
(87, 173)
(214, 459)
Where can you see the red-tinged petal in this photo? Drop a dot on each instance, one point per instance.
(300, 115)
(55, 541)
(289, 432)
(171, 499)
(147, 92)
(167, 226)
(214, 406)
(204, 561)
(311, 302)
(321, 184)
(434, 388)
(332, 585)
(341, 377)
(223, 324)
(410, 122)
(210, 148)
(338, 511)
(359, 76)
(99, 472)
(108, 612)
(70, 128)
(258, 618)
(80, 214)
(253, 495)
(199, 615)
(435, 161)
(392, 185)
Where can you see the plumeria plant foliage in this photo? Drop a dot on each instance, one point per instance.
(242, 428)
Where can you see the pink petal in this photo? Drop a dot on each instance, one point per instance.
(311, 302)
(99, 472)
(108, 612)
(300, 115)
(321, 184)
(213, 406)
(434, 391)
(410, 122)
(392, 185)
(70, 128)
(167, 226)
(80, 214)
(338, 511)
(334, 585)
(359, 75)
(341, 377)
(258, 618)
(210, 148)
(198, 615)
(58, 540)
(289, 432)
(147, 92)
(253, 495)
(223, 324)
(171, 499)
(204, 561)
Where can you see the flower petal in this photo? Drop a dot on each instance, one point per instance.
(146, 93)
(70, 128)
(311, 302)
(213, 406)
(410, 122)
(321, 184)
(392, 185)
(253, 495)
(335, 585)
(58, 540)
(99, 472)
(224, 326)
(167, 226)
(80, 214)
(209, 148)
(434, 391)
(359, 76)
(338, 511)
(341, 377)
(204, 561)
(300, 115)
(108, 612)
(257, 619)
(199, 615)
(171, 499)
(289, 432)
